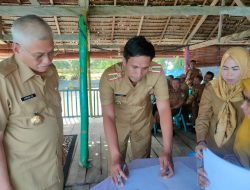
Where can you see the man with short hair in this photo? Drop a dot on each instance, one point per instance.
(31, 127)
(208, 77)
(125, 91)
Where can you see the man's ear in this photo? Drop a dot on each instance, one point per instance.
(16, 48)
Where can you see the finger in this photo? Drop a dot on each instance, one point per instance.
(171, 170)
(123, 175)
(161, 164)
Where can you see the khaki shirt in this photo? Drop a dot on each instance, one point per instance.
(33, 152)
(132, 104)
(207, 120)
(191, 74)
(176, 97)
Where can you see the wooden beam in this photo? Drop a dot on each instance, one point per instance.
(216, 27)
(42, 10)
(203, 18)
(108, 10)
(167, 10)
(1, 31)
(34, 2)
(141, 21)
(220, 22)
(70, 55)
(166, 25)
(191, 25)
(241, 4)
(223, 40)
(113, 25)
(62, 37)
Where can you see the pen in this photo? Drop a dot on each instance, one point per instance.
(119, 177)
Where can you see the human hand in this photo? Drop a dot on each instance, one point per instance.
(166, 165)
(198, 149)
(202, 178)
(119, 171)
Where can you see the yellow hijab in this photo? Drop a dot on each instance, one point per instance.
(230, 93)
(242, 140)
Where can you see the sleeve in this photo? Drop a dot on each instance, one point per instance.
(161, 88)
(202, 122)
(4, 108)
(106, 91)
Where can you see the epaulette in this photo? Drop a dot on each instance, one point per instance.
(6, 67)
(114, 76)
(155, 69)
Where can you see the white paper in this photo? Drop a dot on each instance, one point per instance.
(224, 175)
(149, 178)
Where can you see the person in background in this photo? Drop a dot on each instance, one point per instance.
(31, 125)
(176, 96)
(195, 97)
(220, 112)
(125, 91)
(184, 86)
(192, 72)
(208, 77)
(242, 140)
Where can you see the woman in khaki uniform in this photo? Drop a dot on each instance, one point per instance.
(220, 114)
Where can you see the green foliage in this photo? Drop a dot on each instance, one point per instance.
(68, 69)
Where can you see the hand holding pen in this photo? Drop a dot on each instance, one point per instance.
(119, 172)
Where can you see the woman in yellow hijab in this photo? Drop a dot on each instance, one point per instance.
(220, 112)
(242, 140)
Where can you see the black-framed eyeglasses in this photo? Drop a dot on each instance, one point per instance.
(39, 56)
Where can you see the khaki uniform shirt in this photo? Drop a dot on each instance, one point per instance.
(176, 97)
(133, 109)
(207, 120)
(191, 74)
(33, 152)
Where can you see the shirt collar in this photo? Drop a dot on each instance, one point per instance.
(26, 73)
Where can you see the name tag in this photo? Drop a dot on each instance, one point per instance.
(122, 95)
(28, 97)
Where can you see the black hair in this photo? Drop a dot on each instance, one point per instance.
(193, 61)
(199, 77)
(138, 46)
(210, 73)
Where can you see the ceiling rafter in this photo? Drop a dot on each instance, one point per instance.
(223, 40)
(105, 11)
(220, 22)
(141, 20)
(191, 25)
(1, 31)
(166, 25)
(203, 18)
(240, 3)
(216, 27)
(113, 25)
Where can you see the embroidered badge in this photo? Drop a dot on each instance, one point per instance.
(114, 76)
(155, 69)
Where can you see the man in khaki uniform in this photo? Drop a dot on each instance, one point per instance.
(191, 73)
(31, 128)
(125, 90)
(176, 96)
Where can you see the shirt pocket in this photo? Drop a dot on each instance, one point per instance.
(32, 106)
